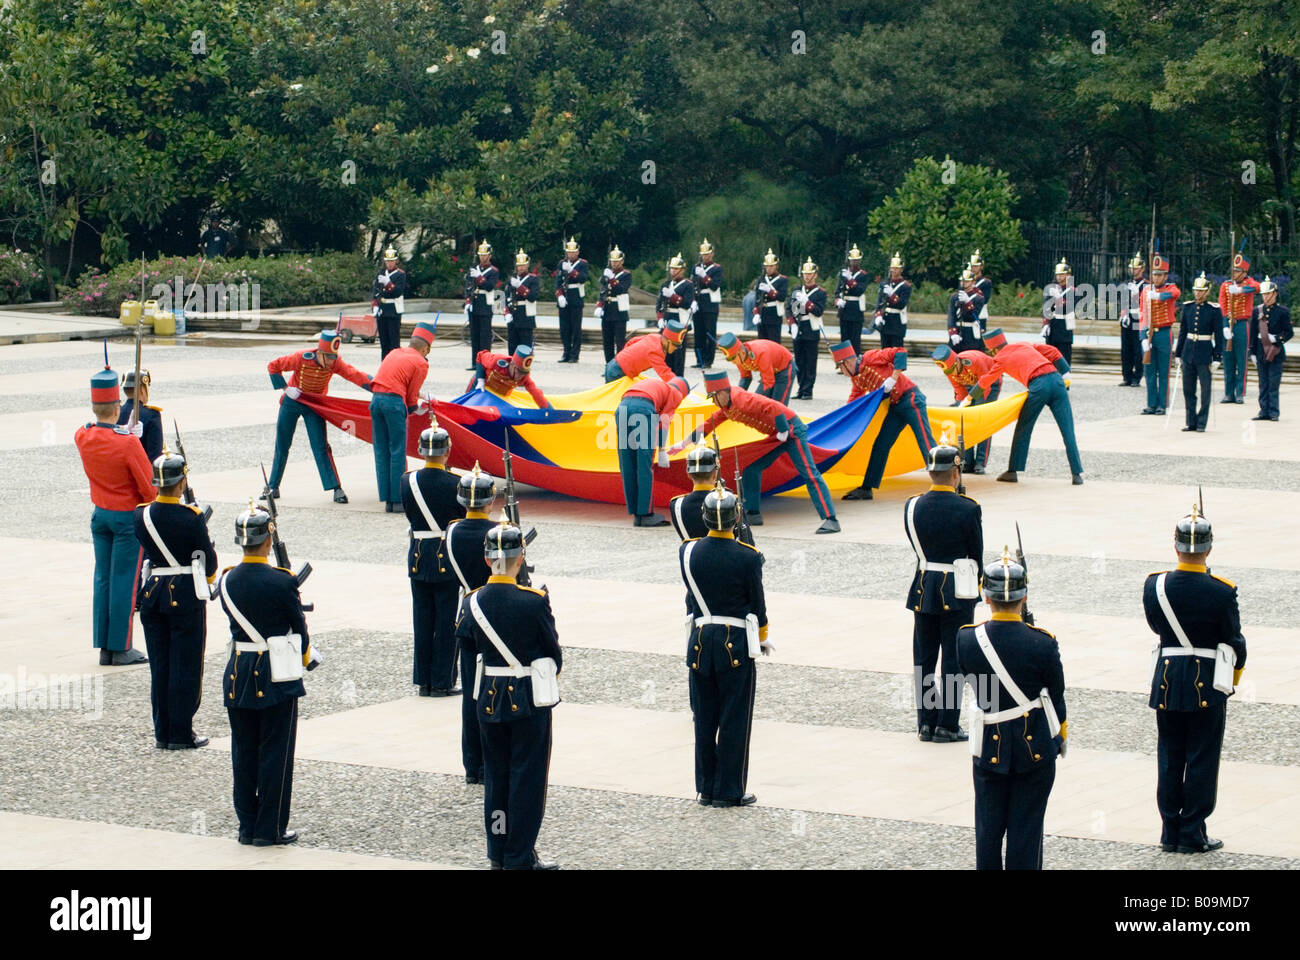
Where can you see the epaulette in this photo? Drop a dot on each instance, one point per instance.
(228, 569)
(540, 593)
(196, 510)
(676, 498)
(139, 505)
(309, 354)
(750, 545)
(1156, 573)
(971, 499)
(1032, 626)
(150, 406)
(691, 540)
(1224, 580)
(282, 569)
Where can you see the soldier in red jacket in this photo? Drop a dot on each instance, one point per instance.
(500, 374)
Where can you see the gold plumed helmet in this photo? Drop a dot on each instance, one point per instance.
(1267, 285)
(485, 249)
(521, 258)
(808, 266)
(1137, 261)
(771, 260)
(571, 246)
(390, 253)
(677, 263)
(1062, 267)
(967, 276)
(896, 261)
(706, 247)
(855, 253)
(1201, 283)
(975, 259)
(616, 255)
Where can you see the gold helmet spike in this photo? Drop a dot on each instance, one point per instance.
(390, 253)
(571, 246)
(1202, 282)
(616, 255)
(521, 258)
(706, 247)
(1267, 285)
(485, 249)
(477, 471)
(975, 259)
(967, 276)
(1062, 267)
(677, 263)
(771, 260)
(896, 261)
(855, 253)
(808, 266)
(1137, 261)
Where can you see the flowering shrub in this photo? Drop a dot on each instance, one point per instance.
(21, 276)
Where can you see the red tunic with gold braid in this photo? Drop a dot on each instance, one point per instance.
(874, 368)
(497, 378)
(753, 410)
(310, 377)
(1238, 306)
(1160, 313)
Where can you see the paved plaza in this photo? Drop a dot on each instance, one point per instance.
(841, 778)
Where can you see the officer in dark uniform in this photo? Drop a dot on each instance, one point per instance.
(1197, 665)
(150, 428)
(388, 301)
(1130, 336)
(851, 298)
(685, 510)
(570, 292)
(771, 290)
(263, 711)
(615, 299)
(965, 329)
(707, 279)
(727, 619)
(1016, 739)
(983, 286)
(180, 563)
(481, 282)
(521, 305)
(945, 528)
(463, 546)
(891, 306)
(676, 302)
(1200, 344)
(429, 499)
(514, 715)
(1058, 311)
(1270, 328)
(805, 308)
(215, 241)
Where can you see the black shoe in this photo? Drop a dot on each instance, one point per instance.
(1160, 411)
(105, 657)
(1148, 411)
(651, 520)
(289, 836)
(829, 525)
(340, 496)
(1274, 419)
(754, 518)
(1124, 383)
(471, 778)
(945, 735)
(1008, 477)
(1189, 429)
(1200, 429)
(195, 742)
(246, 839)
(1076, 479)
(473, 367)
(424, 690)
(390, 508)
(978, 471)
(1224, 400)
(925, 734)
(859, 493)
(494, 864)
(444, 691)
(1260, 416)
(274, 493)
(537, 864)
(124, 658)
(1168, 848)
(159, 744)
(1207, 845)
(704, 801)
(746, 801)
(1239, 400)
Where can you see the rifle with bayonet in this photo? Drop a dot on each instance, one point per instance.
(1020, 559)
(277, 545)
(961, 453)
(512, 506)
(139, 348)
(188, 496)
(744, 532)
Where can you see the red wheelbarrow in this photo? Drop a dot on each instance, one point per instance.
(358, 325)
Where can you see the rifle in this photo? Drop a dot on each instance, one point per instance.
(1152, 247)
(961, 454)
(1020, 559)
(277, 545)
(743, 531)
(189, 491)
(512, 506)
(139, 347)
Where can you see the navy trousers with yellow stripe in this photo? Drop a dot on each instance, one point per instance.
(909, 412)
(1012, 806)
(795, 446)
(722, 682)
(261, 752)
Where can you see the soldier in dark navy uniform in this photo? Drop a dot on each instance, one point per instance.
(1130, 338)
(429, 499)
(481, 282)
(675, 303)
(463, 546)
(805, 309)
(983, 286)
(945, 528)
(1270, 328)
(263, 711)
(1020, 725)
(180, 563)
(851, 298)
(510, 630)
(1058, 311)
(891, 306)
(727, 629)
(571, 275)
(707, 279)
(771, 290)
(521, 304)
(612, 309)
(703, 468)
(150, 428)
(388, 301)
(965, 329)
(1196, 667)
(1200, 345)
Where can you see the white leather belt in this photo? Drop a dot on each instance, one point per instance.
(571, 286)
(891, 310)
(249, 646)
(507, 672)
(1200, 336)
(1187, 652)
(1014, 712)
(968, 323)
(170, 571)
(426, 534)
(720, 621)
(927, 566)
(386, 300)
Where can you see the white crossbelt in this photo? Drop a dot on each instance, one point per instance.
(173, 569)
(749, 624)
(1185, 648)
(434, 531)
(1023, 705)
(515, 668)
(924, 564)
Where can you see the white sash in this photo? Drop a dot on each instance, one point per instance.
(1225, 658)
(546, 689)
(285, 651)
(678, 520)
(752, 640)
(196, 569)
(1023, 703)
(418, 494)
(965, 571)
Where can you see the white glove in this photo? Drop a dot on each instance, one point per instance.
(1151, 294)
(756, 315)
(1227, 333)
(562, 301)
(469, 311)
(783, 435)
(839, 303)
(966, 401)
(963, 297)
(695, 305)
(608, 274)
(293, 393)
(1064, 746)
(1046, 328)
(600, 312)
(1254, 360)
(314, 659)
(675, 448)
(137, 429)
(1217, 365)
(663, 459)
(375, 310)
(955, 338)
(478, 384)
(1146, 345)
(889, 384)
(1272, 339)
(700, 271)
(475, 272)
(1234, 288)
(515, 282)
(880, 322)
(767, 647)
